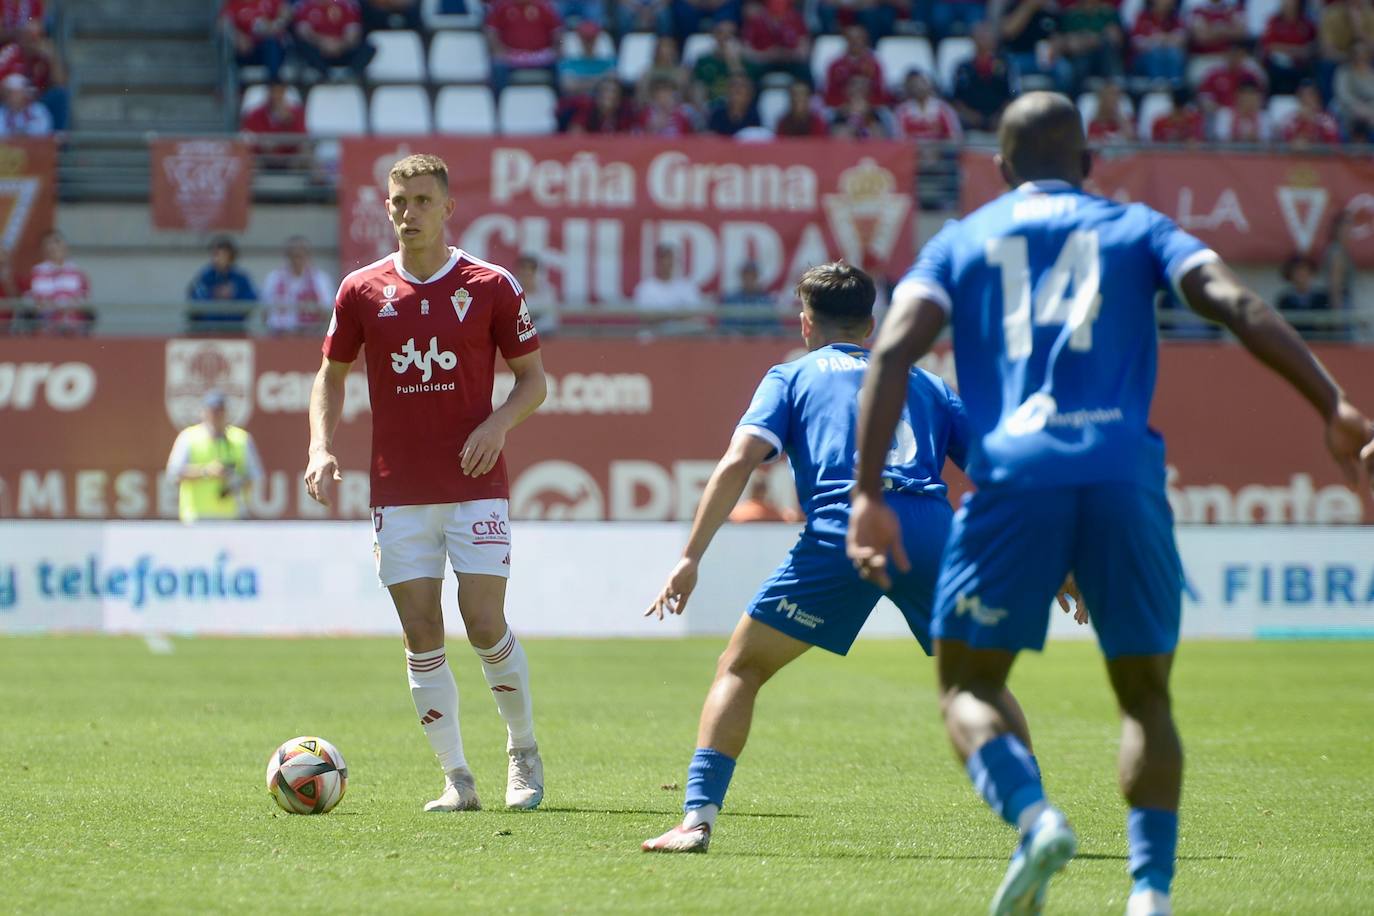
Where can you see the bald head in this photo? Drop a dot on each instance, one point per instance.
(1042, 138)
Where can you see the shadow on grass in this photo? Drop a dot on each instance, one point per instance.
(673, 813)
(933, 857)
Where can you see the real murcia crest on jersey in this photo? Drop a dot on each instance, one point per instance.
(461, 303)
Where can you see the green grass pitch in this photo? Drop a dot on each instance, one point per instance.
(132, 782)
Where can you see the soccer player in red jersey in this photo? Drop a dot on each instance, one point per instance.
(434, 319)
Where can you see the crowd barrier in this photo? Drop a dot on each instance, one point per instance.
(582, 579)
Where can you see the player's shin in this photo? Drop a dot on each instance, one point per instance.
(508, 674)
(436, 700)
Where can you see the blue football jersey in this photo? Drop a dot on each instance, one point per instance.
(809, 409)
(1051, 294)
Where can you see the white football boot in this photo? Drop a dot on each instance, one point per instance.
(1149, 903)
(460, 793)
(524, 778)
(681, 839)
(1046, 849)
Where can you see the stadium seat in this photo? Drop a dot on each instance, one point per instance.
(1130, 11)
(432, 13)
(571, 45)
(256, 95)
(900, 54)
(1281, 108)
(952, 52)
(824, 51)
(527, 110)
(1200, 65)
(465, 111)
(1153, 106)
(695, 47)
(336, 110)
(1087, 107)
(459, 57)
(400, 110)
(636, 53)
(772, 106)
(400, 58)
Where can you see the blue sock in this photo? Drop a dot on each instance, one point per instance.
(1036, 763)
(1005, 774)
(708, 778)
(1153, 838)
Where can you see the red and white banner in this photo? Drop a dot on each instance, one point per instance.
(1257, 209)
(630, 431)
(201, 184)
(592, 209)
(28, 190)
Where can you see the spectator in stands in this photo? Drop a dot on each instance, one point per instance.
(877, 17)
(539, 296)
(1160, 43)
(35, 56)
(1220, 88)
(257, 29)
(607, 111)
(757, 506)
(736, 111)
(1311, 124)
(1029, 30)
(1111, 122)
(664, 290)
(329, 33)
(1246, 121)
(802, 117)
(20, 16)
(60, 290)
(1354, 94)
(523, 35)
(950, 17)
(579, 72)
(21, 115)
(1183, 124)
(924, 116)
(221, 280)
(279, 114)
(692, 16)
(1289, 48)
(666, 65)
(1337, 265)
(643, 16)
(1301, 295)
(982, 84)
(858, 118)
(776, 39)
(750, 309)
(213, 463)
(392, 14)
(858, 60)
(1215, 26)
(666, 115)
(1343, 22)
(1092, 41)
(296, 296)
(713, 70)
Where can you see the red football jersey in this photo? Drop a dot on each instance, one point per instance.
(431, 356)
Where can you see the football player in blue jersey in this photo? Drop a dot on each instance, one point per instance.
(807, 409)
(1050, 292)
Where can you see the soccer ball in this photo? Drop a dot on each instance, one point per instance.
(307, 775)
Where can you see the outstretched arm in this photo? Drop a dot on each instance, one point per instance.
(1215, 293)
(746, 452)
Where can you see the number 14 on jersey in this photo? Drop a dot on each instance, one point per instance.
(1078, 268)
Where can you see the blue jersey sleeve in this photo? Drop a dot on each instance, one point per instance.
(769, 414)
(1175, 252)
(959, 431)
(932, 276)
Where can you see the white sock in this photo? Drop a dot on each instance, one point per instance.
(436, 700)
(706, 814)
(1029, 816)
(508, 674)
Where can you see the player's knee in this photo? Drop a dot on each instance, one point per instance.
(485, 633)
(423, 632)
(740, 666)
(1146, 701)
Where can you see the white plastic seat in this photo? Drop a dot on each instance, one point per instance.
(571, 46)
(825, 50)
(952, 52)
(1282, 108)
(1201, 65)
(527, 110)
(336, 110)
(898, 55)
(696, 47)
(772, 106)
(400, 110)
(1153, 106)
(1258, 13)
(400, 58)
(635, 55)
(1130, 11)
(459, 57)
(465, 111)
(1087, 107)
(435, 20)
(255, 96)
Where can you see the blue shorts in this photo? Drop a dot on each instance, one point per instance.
(1010, 550)
(817, 596)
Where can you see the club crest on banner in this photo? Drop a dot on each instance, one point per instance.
(197, 367)
(867, 214)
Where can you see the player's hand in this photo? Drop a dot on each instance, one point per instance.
(681, 582)
(483, 447)
(1071, 600)
(320, 475)
(1349, 438)
(874, 534)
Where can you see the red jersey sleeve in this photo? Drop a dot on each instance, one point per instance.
(512, 327)
(344, 338)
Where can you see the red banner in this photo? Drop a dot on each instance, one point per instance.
(201, 184)
(593, 208)
(1251, 208)
(631, 430)
(28, 171)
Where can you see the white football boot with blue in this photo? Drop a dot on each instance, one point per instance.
(1045, 849)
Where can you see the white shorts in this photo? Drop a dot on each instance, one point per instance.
(410, 542)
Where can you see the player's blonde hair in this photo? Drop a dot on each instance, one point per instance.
(420, 164)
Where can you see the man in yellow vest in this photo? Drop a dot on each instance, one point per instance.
(213, 462)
